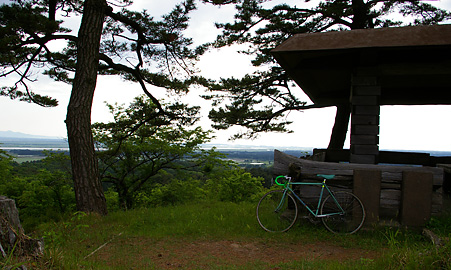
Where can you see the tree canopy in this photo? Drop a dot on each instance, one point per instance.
(260, 101)
(111, 40)
(133, 149)
(134, 45)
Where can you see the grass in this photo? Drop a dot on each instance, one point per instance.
(22, 159)
(221, 235)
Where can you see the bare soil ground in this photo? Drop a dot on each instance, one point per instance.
(201, 254)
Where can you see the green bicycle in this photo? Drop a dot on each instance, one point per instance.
(340, 212)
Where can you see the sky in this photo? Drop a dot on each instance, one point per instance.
(401, 127)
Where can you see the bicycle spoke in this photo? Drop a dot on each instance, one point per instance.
(347, 217)
(276, 211)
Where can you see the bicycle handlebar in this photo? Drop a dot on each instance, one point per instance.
(282, 176)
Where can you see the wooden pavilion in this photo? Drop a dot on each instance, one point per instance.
(358, 71)
(364, 69)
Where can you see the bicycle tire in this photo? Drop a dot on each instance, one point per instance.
(274, 216)
(349, 222)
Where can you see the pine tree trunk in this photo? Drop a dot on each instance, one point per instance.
(340, 129)
(87, 185)
(360, 11)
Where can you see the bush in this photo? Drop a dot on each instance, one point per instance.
(42, 190)
(175, 192)
(112, 200)
(46, 196)
(237, 186)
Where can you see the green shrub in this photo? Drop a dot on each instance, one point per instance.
(172, 193)
(112, 200)
(45, 196)
(5, 165)
(236, 186)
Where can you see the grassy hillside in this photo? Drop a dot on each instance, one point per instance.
(219, 235)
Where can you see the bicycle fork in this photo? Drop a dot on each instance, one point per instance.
(282, 201)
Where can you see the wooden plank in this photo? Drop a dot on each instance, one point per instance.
(388, 157)
(315, 177)
(390, 186)
(390, 173)
(366, 90)
(446, 167)
(373, 110)
(404, 158)
(309, 194)
(365, 100)
(391, 177)
(390, 198)
(364, 149)
(364, 139)
(364, 81)
(332, 155)
(365, 119)
(363, 159)
(365, 129)
(390, 214)
(437, 201)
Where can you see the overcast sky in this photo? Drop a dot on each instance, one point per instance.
(401, 127)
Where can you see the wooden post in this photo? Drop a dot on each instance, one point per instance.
(367, 186)
(416, 201)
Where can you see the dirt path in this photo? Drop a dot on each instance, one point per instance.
(202, 254)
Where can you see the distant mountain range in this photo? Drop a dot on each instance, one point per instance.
(18, 140)
(19, 135)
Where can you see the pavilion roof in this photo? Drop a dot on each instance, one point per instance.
(413, 64)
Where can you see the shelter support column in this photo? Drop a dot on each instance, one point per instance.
(365, 96)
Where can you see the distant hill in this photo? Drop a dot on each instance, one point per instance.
(11, 139)
(19, 135)
(18, 140)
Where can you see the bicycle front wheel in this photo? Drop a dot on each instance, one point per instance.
(347, 221)
(277, 211)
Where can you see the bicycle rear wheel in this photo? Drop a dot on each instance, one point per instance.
(338, 222)
(277, 211)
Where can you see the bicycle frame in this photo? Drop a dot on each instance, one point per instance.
(287, 188)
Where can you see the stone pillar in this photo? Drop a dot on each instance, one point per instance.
(365, 96)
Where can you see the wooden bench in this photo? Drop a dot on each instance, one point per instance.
(409, 194)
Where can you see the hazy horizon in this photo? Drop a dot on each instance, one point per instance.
(401, 127)
(46, 140)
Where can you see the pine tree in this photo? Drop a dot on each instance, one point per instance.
(111, 41)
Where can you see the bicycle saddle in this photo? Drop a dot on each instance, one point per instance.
(326, 176)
